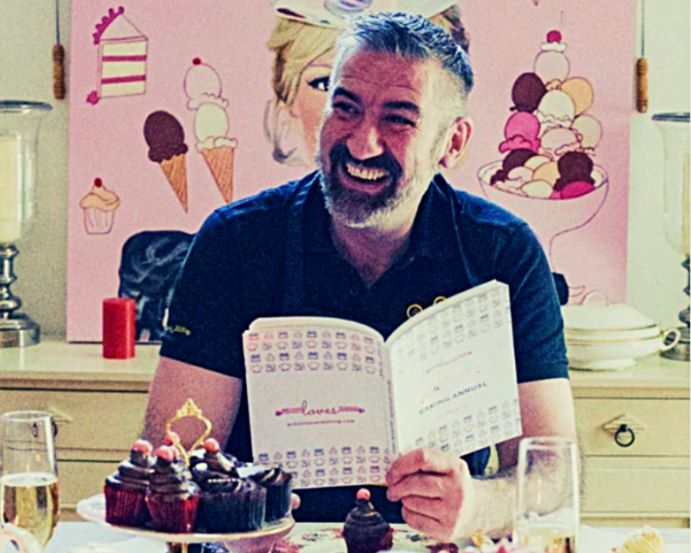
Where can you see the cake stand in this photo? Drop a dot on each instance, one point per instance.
(259, 541)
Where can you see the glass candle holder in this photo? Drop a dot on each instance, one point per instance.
(20, 122)
(674, 128)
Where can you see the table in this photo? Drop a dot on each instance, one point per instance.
(81, 537)
(645, 483)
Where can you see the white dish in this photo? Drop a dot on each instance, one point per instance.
(616, 354)
(94, 510)
(598, 316)
(599, 335)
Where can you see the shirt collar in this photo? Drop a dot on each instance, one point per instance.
(430, 236)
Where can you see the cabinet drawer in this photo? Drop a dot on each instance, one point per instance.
(664, 432)
(648, 486)
(87, 421)
(81, 479)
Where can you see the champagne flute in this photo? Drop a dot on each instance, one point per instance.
(547, 509)
(29, 489)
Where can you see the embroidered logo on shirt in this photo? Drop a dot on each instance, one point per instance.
(179, 329)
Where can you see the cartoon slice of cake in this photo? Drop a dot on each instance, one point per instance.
(122, 57)
(211, 124)
(166, 139)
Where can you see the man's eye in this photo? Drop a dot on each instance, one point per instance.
(320, 83)
(344, 108)
(399, 120)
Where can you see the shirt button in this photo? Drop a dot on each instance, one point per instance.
(353, 291)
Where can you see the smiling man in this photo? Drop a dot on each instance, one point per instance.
(375, 230)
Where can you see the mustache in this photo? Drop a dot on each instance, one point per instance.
(340, 154)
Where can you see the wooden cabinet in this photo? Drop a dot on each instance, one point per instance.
(99, 407)
(633, 427)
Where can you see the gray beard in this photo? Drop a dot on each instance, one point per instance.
(356, 210)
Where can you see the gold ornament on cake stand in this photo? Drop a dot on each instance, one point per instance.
(188, 410)
(255, 541)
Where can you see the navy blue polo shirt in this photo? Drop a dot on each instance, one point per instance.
(272, 255)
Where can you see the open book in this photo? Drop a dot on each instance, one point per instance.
(334, 403)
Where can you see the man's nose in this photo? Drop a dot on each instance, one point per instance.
(364, 141)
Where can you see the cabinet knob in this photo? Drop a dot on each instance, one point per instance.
(624, 436)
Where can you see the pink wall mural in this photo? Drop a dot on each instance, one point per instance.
(177, 108)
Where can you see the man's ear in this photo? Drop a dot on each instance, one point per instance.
(457, 142)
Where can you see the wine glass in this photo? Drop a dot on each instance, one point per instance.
(29, 491)
(547, 509)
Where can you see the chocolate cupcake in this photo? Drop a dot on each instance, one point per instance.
(173, 497)
(278, 485)
(212, 455)
(365, 530)
(228, 503)
(125, 490)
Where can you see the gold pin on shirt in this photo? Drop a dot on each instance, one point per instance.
(415, 308)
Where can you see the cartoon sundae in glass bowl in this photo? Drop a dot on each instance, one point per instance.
(548, 175)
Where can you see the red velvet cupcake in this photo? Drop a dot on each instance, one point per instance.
(173, 497)
(126, 489)
(365, 530)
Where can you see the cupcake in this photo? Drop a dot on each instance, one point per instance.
(228, 503)
(365, 530)
(173, 497)
(99, 207)
(212, 455)
(125, 490)
(278, 485)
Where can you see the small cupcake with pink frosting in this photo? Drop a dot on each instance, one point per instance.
(99, 207)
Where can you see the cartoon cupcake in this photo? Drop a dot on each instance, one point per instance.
(99, 207)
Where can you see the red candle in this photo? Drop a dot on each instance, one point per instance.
(119, 324)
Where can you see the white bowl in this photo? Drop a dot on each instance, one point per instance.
(591, 316)
(606, 335)
(616, 354)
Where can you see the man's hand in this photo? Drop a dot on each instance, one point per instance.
(437, 492)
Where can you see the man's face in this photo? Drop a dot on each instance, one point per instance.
(383, 133)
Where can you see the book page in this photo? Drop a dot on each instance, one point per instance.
(453, 374)
(317, 393)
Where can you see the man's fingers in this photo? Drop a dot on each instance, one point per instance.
(422, 522)
(419, 460)
(419, 484)
(432, 508)
(294, 502)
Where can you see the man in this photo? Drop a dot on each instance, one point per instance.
(375, 230)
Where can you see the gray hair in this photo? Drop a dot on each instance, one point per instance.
(412, 37)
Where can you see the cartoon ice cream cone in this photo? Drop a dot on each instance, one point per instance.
(166, 139)
(175, 170)
(211, 124)
(220, 162)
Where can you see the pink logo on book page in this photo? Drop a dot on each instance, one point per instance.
(305, 410)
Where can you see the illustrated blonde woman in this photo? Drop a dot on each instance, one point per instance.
(302, 44)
